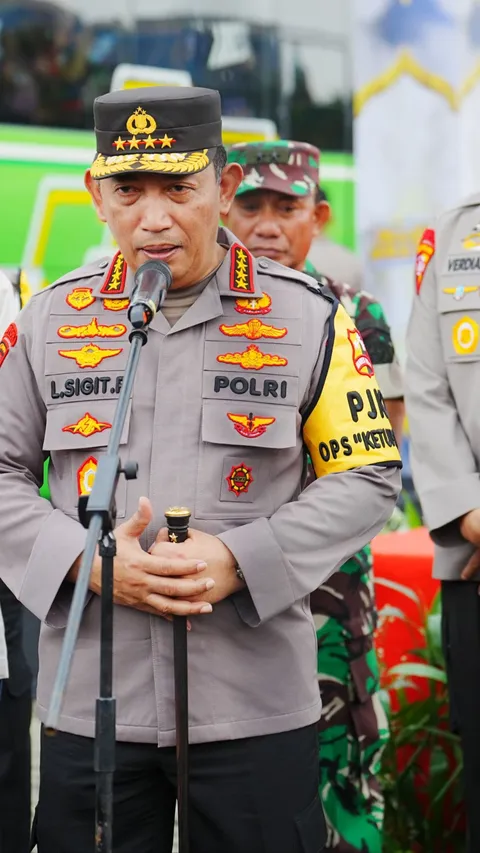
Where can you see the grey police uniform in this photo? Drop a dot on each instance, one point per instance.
(211, 428)
(261, 368)
(442, 382)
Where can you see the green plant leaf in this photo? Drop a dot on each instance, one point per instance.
(419, 670)
(389, 612)
(434, 638)
(398, 587)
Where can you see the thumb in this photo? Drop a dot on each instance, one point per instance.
(472, 567)
(139, 521)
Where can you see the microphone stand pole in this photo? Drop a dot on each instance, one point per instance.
(178, 519)
(98, 514)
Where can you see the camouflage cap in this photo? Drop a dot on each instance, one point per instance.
(282, 165)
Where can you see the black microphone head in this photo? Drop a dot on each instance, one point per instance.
(153, 268)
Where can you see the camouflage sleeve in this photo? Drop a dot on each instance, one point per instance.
(372, 324)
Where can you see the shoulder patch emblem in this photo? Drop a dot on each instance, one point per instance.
(86, 476)
(361, 358)
(8, 341)
(116, 276)
(240, 479)
(425, 253)
(260, 305)
(241, 270)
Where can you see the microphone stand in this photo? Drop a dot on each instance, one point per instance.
(97, 513)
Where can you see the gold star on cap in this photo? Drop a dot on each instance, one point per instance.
(149, 142)
(120, 144)
(167, 141)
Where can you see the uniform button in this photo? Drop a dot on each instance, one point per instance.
(263, 265)
(103, 264)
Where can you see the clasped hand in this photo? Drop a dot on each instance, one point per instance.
(171, 579)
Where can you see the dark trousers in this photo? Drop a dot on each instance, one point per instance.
(256, 795)
(15, 713)
(461, 641)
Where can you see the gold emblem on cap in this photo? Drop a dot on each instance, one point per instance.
(141, 122)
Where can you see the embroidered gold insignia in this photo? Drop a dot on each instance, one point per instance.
(249, 426)
(116, 276)
(253, 330)
(80, 298)
(240, 479)
(361, 358)
(260, 305)
(140, 125)
(90, 355)
(92, 330)
(116, 304)
(252, 359)
(86, 476)
(241, 270)
(87, 426)
(459, 292)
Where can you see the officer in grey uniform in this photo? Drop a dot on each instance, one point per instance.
(442, 380)
(248, 366)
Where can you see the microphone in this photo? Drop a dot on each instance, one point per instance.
(151, 282)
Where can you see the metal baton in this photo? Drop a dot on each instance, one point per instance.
(178, 519)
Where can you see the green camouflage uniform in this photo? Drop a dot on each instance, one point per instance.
(353, 729)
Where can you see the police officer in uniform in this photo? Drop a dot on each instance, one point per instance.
(442, 380)
(277, 211)
(248, 364)
(16, 692)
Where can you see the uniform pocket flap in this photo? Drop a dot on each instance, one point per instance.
(80, 425)
(458, 298)
(244, 424)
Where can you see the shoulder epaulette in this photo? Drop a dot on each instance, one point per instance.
(87, 271)
(265, 266)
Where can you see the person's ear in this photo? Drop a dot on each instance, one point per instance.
(323, 215)
(232, 177)
(95, 191)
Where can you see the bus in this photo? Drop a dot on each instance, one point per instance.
(279, 69)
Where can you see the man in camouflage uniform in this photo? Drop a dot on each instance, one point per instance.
(277, 212)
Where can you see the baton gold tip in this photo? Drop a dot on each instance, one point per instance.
(177, 512)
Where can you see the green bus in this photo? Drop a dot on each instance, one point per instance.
(55, 58)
